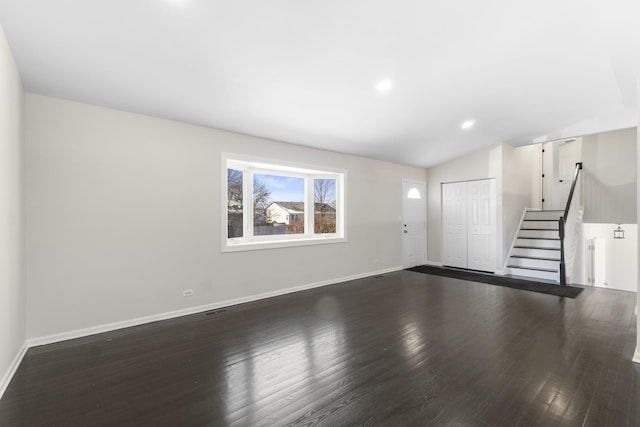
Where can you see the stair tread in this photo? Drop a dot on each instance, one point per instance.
(539, 238)
(545, 210)
(529, 220)
(537, 247)
(548, 270)
(535, 257)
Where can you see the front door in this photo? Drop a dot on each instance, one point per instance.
(414, 232)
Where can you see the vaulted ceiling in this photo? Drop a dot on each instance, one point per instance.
(307, 72)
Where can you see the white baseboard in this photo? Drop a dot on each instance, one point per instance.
(6, 379)
(79, 333)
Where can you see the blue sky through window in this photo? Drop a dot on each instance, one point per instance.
(282, 188)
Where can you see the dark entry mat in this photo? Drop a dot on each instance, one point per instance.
(508, 282)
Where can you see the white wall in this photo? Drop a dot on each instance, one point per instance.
(123, 213)
(609, 186)
(486, 163)
(609, 169)
(636, 357)
(521, 185)
(12, 292)
(621, 268)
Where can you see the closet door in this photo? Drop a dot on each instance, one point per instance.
(454, 224)
(481, 217)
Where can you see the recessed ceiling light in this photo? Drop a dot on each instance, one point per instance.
(468, 124)
(384, 85)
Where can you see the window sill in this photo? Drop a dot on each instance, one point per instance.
(256, 246)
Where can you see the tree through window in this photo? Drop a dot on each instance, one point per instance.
(324, 197)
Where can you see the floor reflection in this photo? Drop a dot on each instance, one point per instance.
(273, 370)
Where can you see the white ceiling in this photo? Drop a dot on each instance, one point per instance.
(306, 72)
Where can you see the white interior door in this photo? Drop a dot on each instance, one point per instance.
(558, 166)
(548, 178)
(454, 224)
(481, 218)
(414, 231)
(566, 167)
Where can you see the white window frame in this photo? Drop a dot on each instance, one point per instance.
(250, 165)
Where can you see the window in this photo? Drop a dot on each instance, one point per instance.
(414, 193)
(271, 204)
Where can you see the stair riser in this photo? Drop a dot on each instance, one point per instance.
(532, 215)
(536, 253)
(534, 263)
(535, 274)
(540, 224)
(538, 243)
(552, 234)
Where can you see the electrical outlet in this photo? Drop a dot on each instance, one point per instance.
(187, 293)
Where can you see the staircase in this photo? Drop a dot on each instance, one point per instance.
(536, 252)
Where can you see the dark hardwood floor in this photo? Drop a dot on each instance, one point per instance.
(402, 349)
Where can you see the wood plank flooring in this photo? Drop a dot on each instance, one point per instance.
(402, 349)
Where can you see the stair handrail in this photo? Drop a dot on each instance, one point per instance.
(562, 221)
